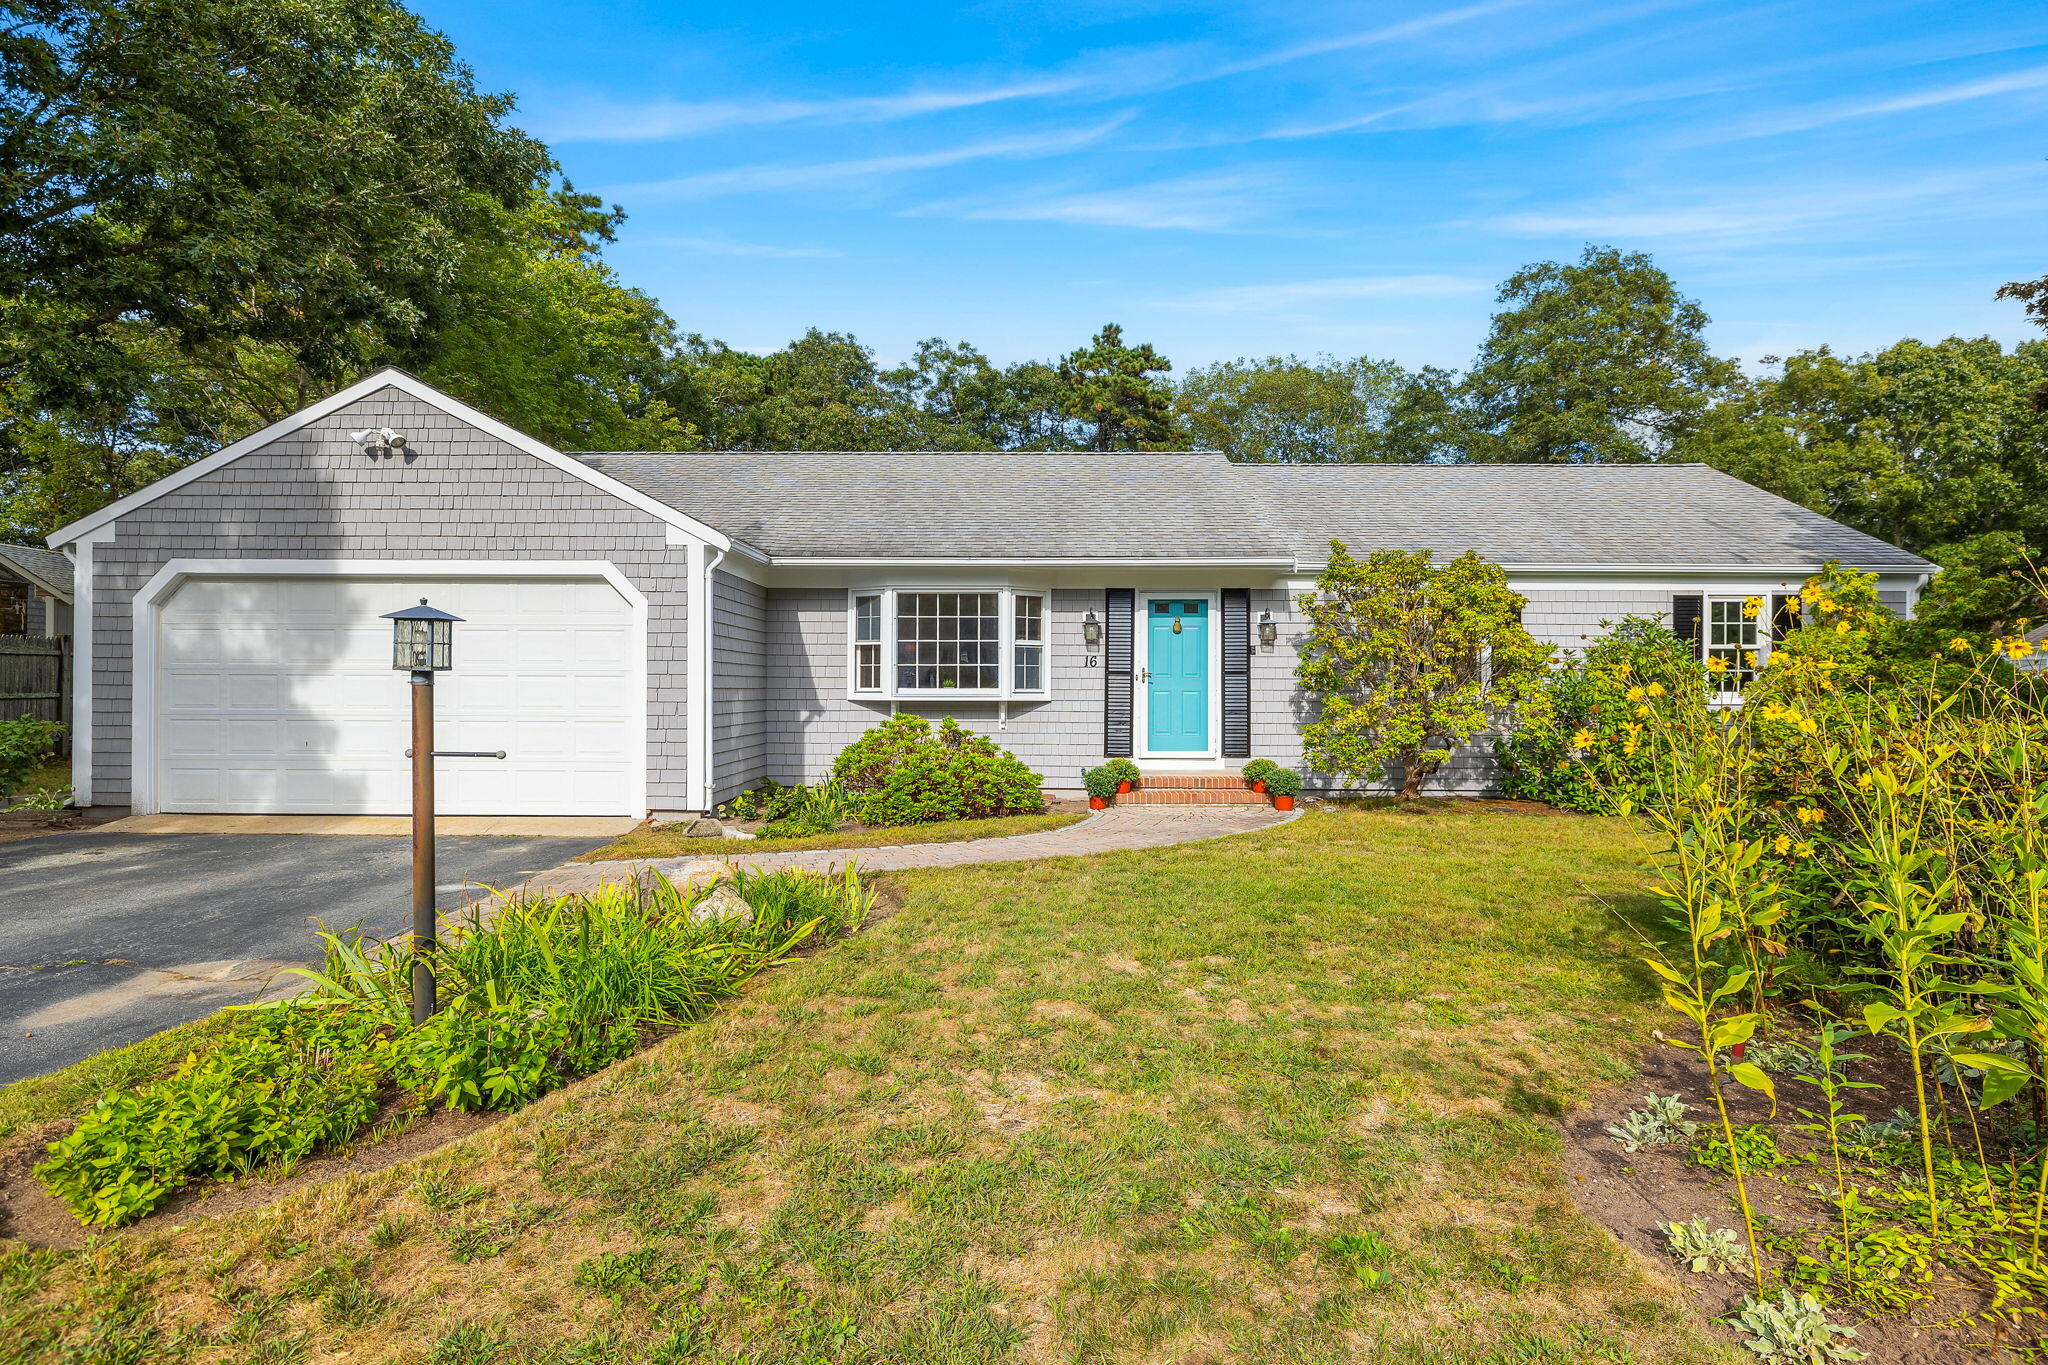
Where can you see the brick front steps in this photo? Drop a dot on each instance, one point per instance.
(1194, 789)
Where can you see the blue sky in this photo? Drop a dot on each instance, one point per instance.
(1251, 179)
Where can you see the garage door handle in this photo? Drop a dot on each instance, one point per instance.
(464, 753)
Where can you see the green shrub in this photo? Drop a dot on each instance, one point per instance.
(903, 772)
(1283, 782)
(1259, 769)
(1099, 782)
(283, 1083)
(24, 743)
(1123, 770)
(1589, 748)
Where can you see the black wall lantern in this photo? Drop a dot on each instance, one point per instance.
(1091, 630)
(422, 639)
(1269, 632)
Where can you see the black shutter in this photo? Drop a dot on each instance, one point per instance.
(1686, 609)
(1788, 613)
(1119, 603)
(1237, 672)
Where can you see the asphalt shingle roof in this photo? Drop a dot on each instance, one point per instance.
(1028, 505)
(45, 568)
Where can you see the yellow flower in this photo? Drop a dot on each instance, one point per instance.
(1808, 725)
(1752, 607)
(1783, 843)
(1656, 689)
(1717, 664)
(1635, 694)
(1584, 739)
(1841, 627)
(1642, 710)
(1863, 782)
(1958, 644)
(1809, 815)
(1829, 604)
(2016, 648)
(1802, 849)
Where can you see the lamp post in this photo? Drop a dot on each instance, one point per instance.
(423, 644)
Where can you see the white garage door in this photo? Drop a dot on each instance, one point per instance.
(277, 695)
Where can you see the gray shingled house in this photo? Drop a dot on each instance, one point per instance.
(656, 632)
(35, 591)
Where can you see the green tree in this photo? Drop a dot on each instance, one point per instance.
(823, 391)
(1598, 360)
(1284, 409)
(966, 402)
(1927, 446)
(1113, 390)
(1409, 660)
(304, 174)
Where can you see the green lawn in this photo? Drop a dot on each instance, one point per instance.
(646, 843)
(1287, 1097)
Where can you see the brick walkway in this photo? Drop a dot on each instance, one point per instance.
(1117, 828)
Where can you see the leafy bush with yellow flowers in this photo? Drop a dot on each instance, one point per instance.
(1861, 851)
(1588, 749)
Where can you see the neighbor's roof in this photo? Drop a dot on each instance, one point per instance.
(1029, 505)
(46, 569)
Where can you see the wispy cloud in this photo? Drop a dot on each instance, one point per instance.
(1845, 111)
(1293, 296)
(716, 246)
(771, 178)
(1807, 212)
(1224, 201)
(659, 120)
(1375, 37)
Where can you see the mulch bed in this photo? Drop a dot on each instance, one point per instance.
(1629, 1193)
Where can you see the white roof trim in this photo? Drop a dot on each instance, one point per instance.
(426, 393)
(1029, 561)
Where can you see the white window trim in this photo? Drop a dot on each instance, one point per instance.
(1141, 690)
(1006, 615)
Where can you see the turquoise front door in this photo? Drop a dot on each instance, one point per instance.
(1177, 675)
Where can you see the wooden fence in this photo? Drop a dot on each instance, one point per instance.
(35, 678)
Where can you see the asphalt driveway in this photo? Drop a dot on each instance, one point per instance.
(107, 938)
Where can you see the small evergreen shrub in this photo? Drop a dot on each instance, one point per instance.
(903, 772)
(1259, 769)
(1123, 770)
(1099, 782)
(1283, 782)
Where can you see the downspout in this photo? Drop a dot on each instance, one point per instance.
(704, 562)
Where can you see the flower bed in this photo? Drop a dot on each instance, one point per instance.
(546, 991)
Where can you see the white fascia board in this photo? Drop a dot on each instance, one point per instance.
(1688, 570)
(397, 379)
(1012, 561)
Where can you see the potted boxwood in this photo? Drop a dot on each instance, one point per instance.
(1101, 784)
(1257, 771)
(1125, 772)
(1285, 785)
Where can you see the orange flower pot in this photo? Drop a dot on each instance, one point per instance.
(1283, 803)
(1259, 785)
(1123, 789)
(1098, 803)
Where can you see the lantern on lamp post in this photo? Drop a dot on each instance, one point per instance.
(423, 644)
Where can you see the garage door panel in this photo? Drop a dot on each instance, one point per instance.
(278, 695)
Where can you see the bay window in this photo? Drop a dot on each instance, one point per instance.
(940, 642)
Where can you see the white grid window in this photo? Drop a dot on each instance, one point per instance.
(948, 641)
(1735, 636)
(867, 643)
(935, 642)
(1028, 632)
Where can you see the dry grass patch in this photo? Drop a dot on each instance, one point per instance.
(1313, 1125)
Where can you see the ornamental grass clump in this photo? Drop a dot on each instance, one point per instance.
(542, 992)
